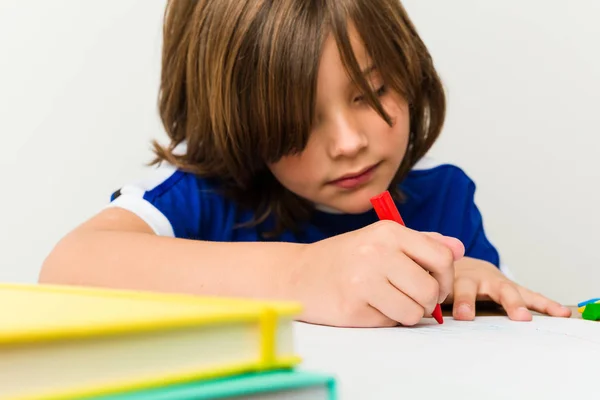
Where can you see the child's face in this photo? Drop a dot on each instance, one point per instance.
(352, 154)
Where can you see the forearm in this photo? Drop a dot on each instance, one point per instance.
(142, 261)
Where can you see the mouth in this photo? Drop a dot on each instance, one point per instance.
(355, 179)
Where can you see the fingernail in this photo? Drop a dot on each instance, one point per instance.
(523, 310)
(464, 309)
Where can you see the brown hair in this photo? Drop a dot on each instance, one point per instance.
(238, 85)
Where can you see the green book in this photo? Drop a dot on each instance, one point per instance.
(270, 385)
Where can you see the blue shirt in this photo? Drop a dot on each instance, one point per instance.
(440, 198)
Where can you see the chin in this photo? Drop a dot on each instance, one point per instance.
(357, 203)
(358, 208)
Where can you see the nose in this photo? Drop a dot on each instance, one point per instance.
(346, 137)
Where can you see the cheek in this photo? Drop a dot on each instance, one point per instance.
(394, 138)
(290, 171)
(299, 172)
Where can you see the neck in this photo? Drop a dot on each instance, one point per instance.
(326, 209)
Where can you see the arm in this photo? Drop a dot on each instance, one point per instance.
(118, 249)
(341, 281)
(171, 234)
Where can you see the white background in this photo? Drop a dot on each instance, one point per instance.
(78, 87)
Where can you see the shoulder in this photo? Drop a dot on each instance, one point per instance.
(172, 202)
(438, 195)
(435, 178)
(164, 182)
(429, 166)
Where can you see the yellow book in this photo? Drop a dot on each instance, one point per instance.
(59, 342)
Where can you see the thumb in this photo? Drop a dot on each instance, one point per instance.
(457, 247)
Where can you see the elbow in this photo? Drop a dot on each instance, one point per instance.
(59, 266)
(50, 272)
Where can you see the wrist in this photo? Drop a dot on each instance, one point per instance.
(292, 284)
(307, 282)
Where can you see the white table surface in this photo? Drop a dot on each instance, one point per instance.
(493, 358)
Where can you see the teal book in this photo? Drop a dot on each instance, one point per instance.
(271, 385)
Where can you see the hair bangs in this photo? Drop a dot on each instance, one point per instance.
(277, 76)
(389, 40)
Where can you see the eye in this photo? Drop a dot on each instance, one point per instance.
(379, 92)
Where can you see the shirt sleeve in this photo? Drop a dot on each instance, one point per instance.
(465, 220)
(442, 199)
(168, 201)
(477, 244)
(472, 230)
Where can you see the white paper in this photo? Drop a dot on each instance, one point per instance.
(489, 358)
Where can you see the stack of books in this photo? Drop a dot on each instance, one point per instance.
(67, 342)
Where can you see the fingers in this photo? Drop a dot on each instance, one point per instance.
(456, 246)
(395, 305)
(431, 255)
(539, 303)
(414, 282)
(371, 318)
(508, 296)
(465, 295)
(367, 317)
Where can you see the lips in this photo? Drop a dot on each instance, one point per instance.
(354, 179)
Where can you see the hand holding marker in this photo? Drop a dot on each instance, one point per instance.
(386, 210)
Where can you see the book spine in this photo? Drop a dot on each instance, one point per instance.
(268, 333)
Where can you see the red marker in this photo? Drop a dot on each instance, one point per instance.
(386, 210)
